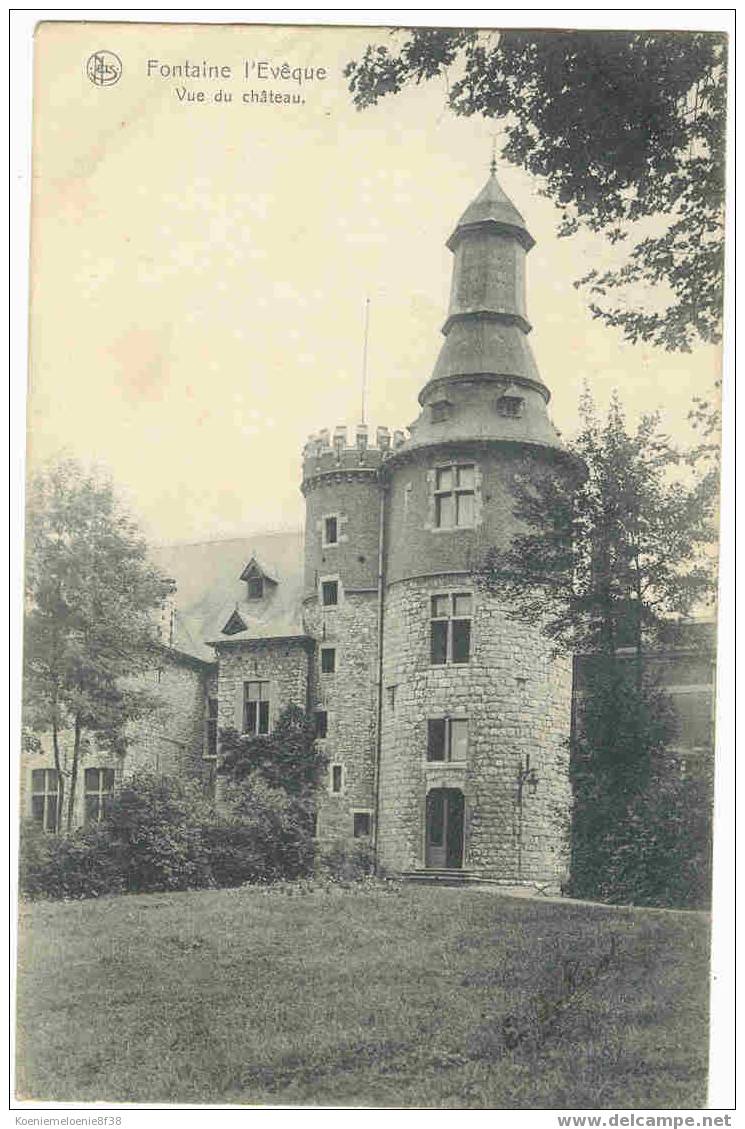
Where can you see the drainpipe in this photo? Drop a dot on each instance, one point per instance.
(379, 724)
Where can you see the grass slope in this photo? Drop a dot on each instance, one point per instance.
(406, 996)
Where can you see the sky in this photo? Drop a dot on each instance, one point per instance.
(199, 270)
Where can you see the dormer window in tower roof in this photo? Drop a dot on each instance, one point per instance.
(441, 410)
(510, 406)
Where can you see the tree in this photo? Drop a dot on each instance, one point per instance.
(609, 564)
(608, 559)
(271, 803)
(90, 624)
(618, 126)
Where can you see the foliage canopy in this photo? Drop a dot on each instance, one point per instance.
(91, 622)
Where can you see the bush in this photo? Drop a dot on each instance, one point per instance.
(154, 834)
(72, 866)
(267, 835)
(162, 834)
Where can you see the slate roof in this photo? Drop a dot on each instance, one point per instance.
(492, 204)
(209, 588)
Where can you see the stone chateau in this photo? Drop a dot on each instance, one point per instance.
(445, 723)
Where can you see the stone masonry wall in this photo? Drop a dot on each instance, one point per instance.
(350, 698)
(518, 703)
(281, 662)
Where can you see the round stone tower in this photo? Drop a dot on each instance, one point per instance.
(341, 485)
(473, 769)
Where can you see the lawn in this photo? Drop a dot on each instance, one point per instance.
(406, 996)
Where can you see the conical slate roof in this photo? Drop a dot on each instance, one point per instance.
(493, 206)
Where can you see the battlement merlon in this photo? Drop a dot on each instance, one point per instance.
(328, 451)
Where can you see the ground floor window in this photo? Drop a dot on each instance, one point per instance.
(45, 797)
(99, 789)
(362, 824)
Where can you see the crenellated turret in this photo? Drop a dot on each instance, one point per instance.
(323, 455)
(341, 484)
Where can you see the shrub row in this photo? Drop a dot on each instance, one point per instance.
(162, 834)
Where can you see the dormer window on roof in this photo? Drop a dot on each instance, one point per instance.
(441, 410)
(510, 406)
(257, 577)
(234, 624)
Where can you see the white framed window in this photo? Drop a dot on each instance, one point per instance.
(328, 660)
(256, 708)
(447, 739)
(99, 790)
(455, 491)
(450, 628)
(45, 797)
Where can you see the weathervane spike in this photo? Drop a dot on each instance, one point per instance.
(493, 162)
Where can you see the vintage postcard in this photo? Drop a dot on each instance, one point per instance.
(371, 551)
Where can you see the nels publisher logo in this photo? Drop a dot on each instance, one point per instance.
(104, 68)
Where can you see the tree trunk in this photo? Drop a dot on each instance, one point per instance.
(60, 777)
(74, 774)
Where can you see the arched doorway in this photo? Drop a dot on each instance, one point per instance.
(444, 828)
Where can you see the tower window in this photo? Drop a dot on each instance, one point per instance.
(337, 778)
(331, 530)
(450, 628)
(45, 797)
(328, 660)
(255, 587)
(391, 691)
(322, 724)
(447, 739)
(510, 406)
(361, 824)
(330, 593)
(256, 708)
(99, 789)
(454, 496)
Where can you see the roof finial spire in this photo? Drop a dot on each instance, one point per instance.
(493, 162)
